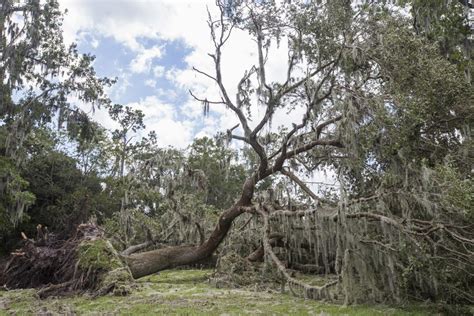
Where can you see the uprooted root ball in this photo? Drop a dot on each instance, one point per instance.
(87, 262)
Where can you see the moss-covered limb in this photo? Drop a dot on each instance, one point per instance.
(136, 248)
(309, 291)
(388, 257)
(146, 263)
(276, 240)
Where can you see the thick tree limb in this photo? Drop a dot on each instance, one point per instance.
(258, 254)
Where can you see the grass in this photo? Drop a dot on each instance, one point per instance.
(187, 292)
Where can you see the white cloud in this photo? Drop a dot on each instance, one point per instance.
(129, 21)
(170, 94)
(150, 83)
(161, 117)
(121, 86)
(143, 61)
(159, 71)
(95, 43)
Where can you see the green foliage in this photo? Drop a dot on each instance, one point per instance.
(65, 197)
(224, 175)
(38, 74)
(35, 58)
(406, 129)
(425, 106)
(447, 24)
(55, 192)
(13, 193)
(457, 191)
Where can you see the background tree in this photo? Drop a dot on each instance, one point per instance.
(130, 121)
(219, 164)
(38, 74)
(447, 23)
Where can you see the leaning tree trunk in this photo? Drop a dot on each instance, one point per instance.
(146, 263)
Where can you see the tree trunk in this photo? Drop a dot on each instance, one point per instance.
(146, 263)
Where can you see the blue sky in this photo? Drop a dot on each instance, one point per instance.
(151, 47)
(114, 59)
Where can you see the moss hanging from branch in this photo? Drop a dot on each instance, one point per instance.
(296, 286)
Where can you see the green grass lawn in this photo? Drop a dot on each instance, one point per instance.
(187, 292)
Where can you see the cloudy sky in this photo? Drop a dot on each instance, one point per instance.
(151, 46)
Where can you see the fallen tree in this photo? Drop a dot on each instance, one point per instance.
(393, 230)
(293, 143)
(391, 220)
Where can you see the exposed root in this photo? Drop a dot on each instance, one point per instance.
(85, 262)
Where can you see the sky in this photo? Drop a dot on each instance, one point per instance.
(151, 47)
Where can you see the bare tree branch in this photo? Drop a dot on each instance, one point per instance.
(301, 184)
(205, 100)
(204, 74)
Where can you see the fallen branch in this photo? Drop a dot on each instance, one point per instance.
(301, 184)
(309, 291)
